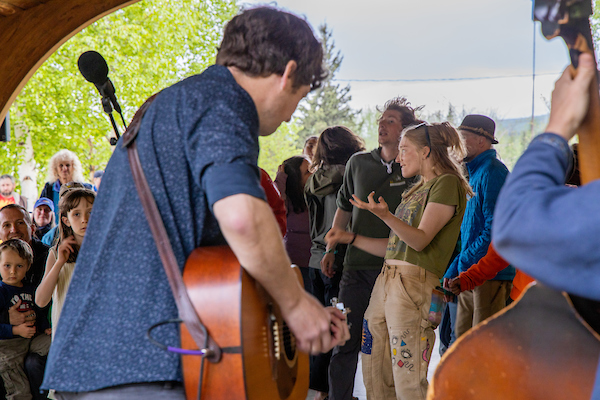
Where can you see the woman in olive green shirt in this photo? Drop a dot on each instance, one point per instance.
(397, 335)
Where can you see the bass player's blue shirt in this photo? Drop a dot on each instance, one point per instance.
(548, 230)
(198, 143)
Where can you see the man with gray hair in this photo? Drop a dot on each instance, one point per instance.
(8, 194)
(486, 176)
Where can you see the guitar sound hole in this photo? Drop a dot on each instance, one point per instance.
(289, 343)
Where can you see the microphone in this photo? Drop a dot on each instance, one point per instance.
(94, 69)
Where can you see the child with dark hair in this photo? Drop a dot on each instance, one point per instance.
(75, 210)
(291, 178)
(17, 341)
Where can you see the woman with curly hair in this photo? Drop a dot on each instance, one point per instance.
(63, 167)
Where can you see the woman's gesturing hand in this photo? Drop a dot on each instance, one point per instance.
(379, 207)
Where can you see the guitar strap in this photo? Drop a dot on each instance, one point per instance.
(187, 313)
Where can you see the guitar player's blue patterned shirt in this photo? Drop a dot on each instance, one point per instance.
(198, 143)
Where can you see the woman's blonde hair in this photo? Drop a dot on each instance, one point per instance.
(446, 150)
(59, 156)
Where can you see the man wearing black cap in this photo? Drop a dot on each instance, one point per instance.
(486, 176)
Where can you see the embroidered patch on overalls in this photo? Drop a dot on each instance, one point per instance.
(425, 352)
(367, 339)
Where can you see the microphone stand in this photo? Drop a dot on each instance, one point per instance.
(123, 119)
(109, 109)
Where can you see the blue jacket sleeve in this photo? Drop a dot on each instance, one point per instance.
(475, 250)
(452, 271)
(548, 230)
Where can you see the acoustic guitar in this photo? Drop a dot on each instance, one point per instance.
(546, 345)
(260, 359)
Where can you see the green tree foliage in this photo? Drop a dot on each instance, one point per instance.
(330, 104)
(278, 147)
(369, 127)
(595, 23)
(148, 46)
(451, 115)
(514, 136)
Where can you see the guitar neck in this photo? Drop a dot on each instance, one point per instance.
(569, 19)
(577, 35)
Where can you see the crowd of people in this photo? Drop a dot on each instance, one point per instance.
(38, 254)
(385, 228)
(385, 232)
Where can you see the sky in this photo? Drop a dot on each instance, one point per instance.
(435, 52)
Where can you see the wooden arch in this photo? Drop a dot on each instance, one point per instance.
(31, 30)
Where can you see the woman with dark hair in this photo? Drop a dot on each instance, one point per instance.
(335, 146)
(290, 181)
(397, 334)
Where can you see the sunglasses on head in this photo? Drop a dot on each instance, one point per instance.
(426, 125)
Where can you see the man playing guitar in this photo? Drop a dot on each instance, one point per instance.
(198, 145)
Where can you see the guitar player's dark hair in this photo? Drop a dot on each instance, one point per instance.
(261, 41)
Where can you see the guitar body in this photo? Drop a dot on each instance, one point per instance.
(536, 348)
(260, 360)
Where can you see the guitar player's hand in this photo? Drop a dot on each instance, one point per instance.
(310, 322)
(339, 327)
(570, 98)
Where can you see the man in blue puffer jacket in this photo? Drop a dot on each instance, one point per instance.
(486, 176)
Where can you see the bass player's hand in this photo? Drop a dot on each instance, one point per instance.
(570, 98)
